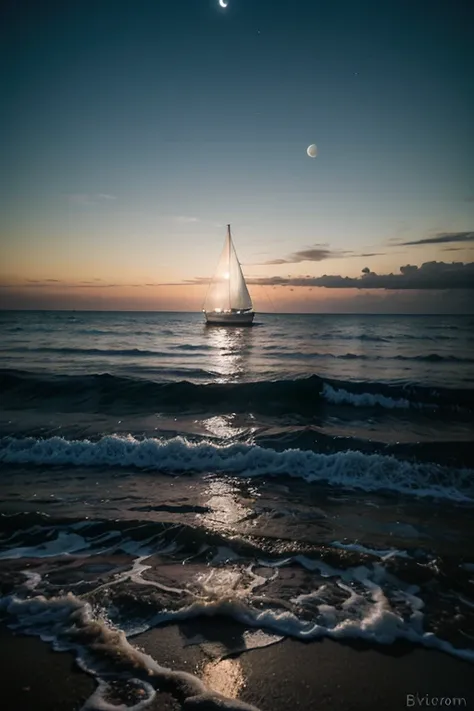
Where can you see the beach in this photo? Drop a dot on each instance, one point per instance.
(321, 675)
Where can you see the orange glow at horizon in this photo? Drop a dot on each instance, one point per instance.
(140, 297)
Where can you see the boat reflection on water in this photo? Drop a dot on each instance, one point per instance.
(230, 355)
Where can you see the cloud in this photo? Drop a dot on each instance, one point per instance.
(315, 254)
(431, 275)
(318, 253)
(85, 284)
(45, 283)
(408, 269)
(85, 199)
(443, 238)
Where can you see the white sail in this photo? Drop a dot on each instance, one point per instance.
(228, 290)
(239, 294)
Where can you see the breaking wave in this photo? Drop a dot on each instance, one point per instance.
(351, 469)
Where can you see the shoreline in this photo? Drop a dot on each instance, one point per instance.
(320, 675)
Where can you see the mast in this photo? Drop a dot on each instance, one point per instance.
(228, 266)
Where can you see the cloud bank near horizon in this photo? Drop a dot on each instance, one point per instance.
(436, 276)
(430, 275)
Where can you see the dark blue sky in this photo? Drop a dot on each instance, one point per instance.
(146, 125)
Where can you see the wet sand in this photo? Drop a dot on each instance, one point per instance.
(35, 678)
(316, 676)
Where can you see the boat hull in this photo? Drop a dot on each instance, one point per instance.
(230, 319)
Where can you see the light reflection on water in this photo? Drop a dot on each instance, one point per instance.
(231, 352)
(225, 676)
(223, 426)
(225, 510)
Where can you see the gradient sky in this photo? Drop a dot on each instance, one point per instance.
(132, 132)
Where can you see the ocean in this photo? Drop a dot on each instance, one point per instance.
(309, 477)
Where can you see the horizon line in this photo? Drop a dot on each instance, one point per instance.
(266, 313)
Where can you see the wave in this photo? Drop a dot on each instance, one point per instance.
(35, 536)
(271, 351)
(436, 358)
(349, 469)
(341, 396)
(453, 453)
(110, 393)
(428, 358)
(111, 352)
(387, 338)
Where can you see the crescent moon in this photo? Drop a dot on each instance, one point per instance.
(223, 4)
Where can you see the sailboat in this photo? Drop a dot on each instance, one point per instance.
(228, 301)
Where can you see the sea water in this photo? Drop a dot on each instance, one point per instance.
(310, 476)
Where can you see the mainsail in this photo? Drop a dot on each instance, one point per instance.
(228, 290)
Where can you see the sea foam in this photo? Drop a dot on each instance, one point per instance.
(343, 397)
(71, 624)
(351, 469)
